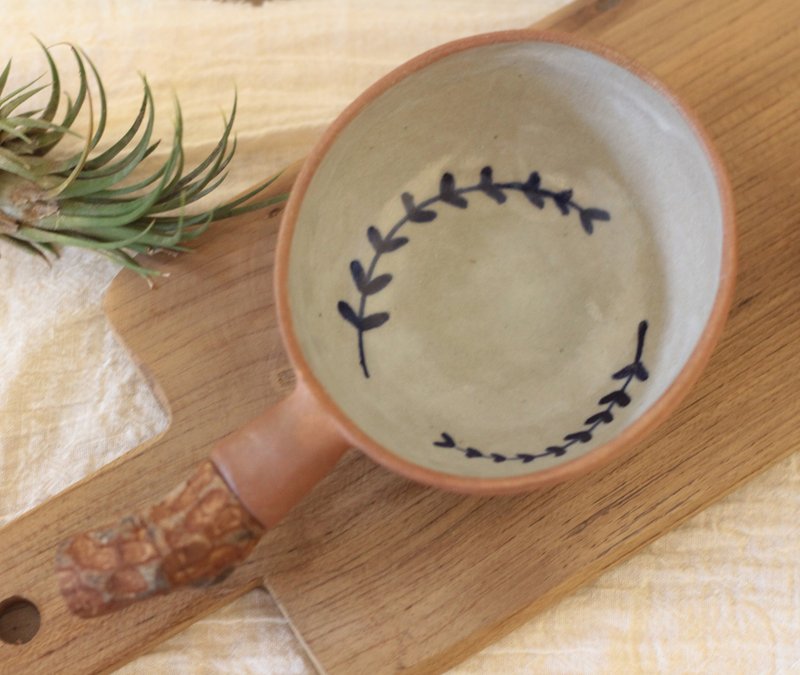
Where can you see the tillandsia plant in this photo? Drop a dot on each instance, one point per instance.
(92, 199)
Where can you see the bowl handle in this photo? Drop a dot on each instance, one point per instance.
(210, 523)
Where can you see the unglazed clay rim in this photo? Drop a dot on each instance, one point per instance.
(595, 458)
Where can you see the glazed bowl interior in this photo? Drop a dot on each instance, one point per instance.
(503, 260)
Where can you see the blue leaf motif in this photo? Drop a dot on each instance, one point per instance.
(579, 436)
(413, 212)
(604, 416)
(448, 194)
(375, 285)
(393, 244)
(562, 200)
(624, 373)
(533, 183)
(357, 272)
(531, 190)
(348, 314)
(489, 188)
(636, 370)
(382, 245)
(373, 321)
(618, 397)
(375, 238)
(588, 216)
(446, 442)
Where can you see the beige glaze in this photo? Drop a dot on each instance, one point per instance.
(507, 321)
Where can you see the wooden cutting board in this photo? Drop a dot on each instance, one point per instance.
(380, 575)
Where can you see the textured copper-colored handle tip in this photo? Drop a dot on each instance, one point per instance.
(195, 535)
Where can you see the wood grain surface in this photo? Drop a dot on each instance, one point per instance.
(380, 575)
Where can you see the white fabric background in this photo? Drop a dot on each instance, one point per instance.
(721, 594)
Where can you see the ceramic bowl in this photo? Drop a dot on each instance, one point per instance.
(502, 265)
(506, 261)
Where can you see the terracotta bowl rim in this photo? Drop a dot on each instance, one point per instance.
(654, 415)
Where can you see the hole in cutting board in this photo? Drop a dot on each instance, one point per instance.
(19, 620)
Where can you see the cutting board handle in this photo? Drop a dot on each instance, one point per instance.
(211, 522)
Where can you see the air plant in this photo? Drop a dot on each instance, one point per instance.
(92, 199)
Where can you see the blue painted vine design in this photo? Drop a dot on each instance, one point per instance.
(619, 397)
(367, 284)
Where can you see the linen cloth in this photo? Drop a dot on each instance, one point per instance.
(720, 594)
